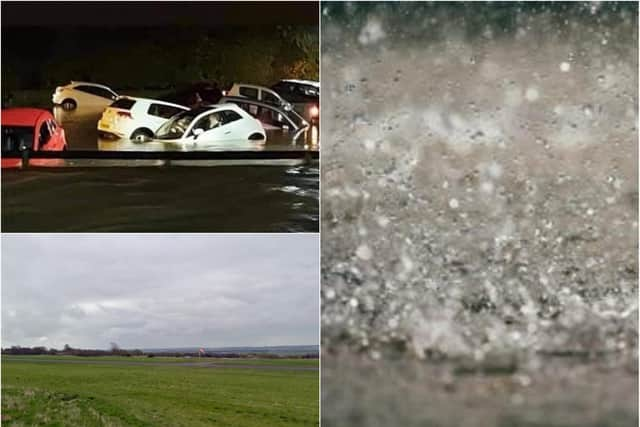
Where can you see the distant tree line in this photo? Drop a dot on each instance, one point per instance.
(117, 351)
(157, 58)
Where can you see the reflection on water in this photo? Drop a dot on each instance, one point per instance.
(81, 132)
(176, 199)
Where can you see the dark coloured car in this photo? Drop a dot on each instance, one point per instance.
(298, 91)
(195, 95)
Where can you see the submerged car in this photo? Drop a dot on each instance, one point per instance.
(270, 116)
(211, 124)
(136, 118)
(84, 95)
(30, 129)
(259, 93)
(298, 90)
(305, 94)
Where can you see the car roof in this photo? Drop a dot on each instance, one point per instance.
(265, 105)
(304, 82)
(252, 101)
(253, 86)
(76, 83)
(204, 109)
(23, 116)
(154, 101)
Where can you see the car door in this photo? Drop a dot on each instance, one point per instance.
(212, 127)
(158, 114)
(230, 126)
(57, 141)
(94, 96)
(42, 136)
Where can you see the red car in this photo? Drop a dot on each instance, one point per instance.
(30, 129)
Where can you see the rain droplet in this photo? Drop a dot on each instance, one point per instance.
(364, 252)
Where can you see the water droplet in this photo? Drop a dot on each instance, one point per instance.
(364, 252)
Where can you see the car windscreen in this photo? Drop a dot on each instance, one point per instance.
(177, 126)
(17, 138)
(123, 103)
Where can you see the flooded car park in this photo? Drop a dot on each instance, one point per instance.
(82, 134)
(279, 195)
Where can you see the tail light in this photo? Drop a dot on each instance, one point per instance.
(124, 114)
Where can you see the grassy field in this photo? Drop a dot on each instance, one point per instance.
(145, 359)
(119, 394)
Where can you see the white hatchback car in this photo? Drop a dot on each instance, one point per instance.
(136, 118)
(83, 94)
(212, 124)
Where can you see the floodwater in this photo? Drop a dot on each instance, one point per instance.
(167, 199)
(81, 132)
(256, 196)
(479, 215)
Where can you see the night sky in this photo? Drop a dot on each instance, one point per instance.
(49, 43)
(138, 14)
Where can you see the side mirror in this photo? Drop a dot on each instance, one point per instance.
(287, 106)
(197, 133)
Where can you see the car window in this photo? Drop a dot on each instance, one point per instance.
(210, 121)
(177, 125)
(52, 126)
(270, 98)
(230, 116)
(44, 135)
(249, 92)
(124, 103)
(164, 111)
(272, 117)
(17, 138)
(98, 91)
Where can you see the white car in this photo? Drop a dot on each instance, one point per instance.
(259, 93)
(83, 94)
(136, 118)
(212, 124)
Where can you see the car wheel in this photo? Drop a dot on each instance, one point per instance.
(141, 135)
(69, 104)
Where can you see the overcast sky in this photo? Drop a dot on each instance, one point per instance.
(150, 291)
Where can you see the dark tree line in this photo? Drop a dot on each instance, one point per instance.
(157, 58)
(117, 351)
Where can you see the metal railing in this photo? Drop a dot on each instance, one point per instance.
(166, 158)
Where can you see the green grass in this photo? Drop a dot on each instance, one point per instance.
(60, 394)
(145, 359)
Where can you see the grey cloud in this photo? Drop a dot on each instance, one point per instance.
(159, 290)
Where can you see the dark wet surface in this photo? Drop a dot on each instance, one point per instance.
(168, 199)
